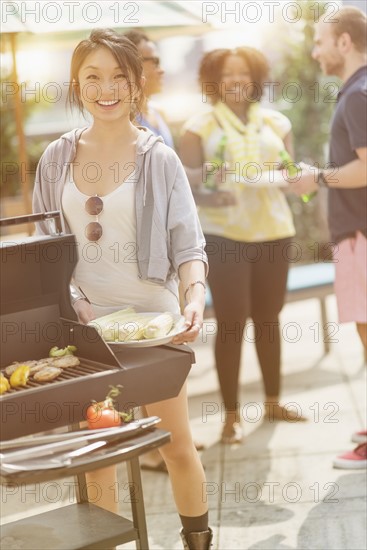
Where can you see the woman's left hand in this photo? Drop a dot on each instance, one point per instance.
(193, 314)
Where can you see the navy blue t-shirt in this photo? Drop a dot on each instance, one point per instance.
(348, 207)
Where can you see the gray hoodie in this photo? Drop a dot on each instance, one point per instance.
(168, 231)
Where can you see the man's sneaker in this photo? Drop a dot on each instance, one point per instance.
(360, 437)
(353, 459)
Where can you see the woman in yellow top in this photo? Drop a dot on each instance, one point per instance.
(248, 228)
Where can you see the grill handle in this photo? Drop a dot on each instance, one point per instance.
(53, 219)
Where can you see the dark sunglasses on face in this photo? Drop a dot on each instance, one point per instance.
(94, 206)
(155, 60)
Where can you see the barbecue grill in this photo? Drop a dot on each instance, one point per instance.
(36, 314)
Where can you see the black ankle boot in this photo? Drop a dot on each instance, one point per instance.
(197, 541)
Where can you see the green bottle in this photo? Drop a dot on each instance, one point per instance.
(289, 164)
(217, 161)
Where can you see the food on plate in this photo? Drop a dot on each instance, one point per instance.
(4, 384)
(47, 373)
(128, 325)
(20, 376)
(131, 330)
(60, 352)
(110, 326)
(159, 326)
(104, 415)
(117, 316)
(66, 362)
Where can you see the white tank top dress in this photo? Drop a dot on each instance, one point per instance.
(107, 270)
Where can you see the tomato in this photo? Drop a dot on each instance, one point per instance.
(102, 415)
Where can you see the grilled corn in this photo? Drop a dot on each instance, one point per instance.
(159, 326)
(122, 331)
(107, 321)
(127, 325)
(132, 330)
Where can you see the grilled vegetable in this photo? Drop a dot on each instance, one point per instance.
(126, 325)
(122, 326)
(110, 327)
(107, 321)
(47, 373)
(60, 352)
(13, 367)
(159, 326)
(41, 364)
(132, 330)
(66, 362)
(20, 376)
(4, 384)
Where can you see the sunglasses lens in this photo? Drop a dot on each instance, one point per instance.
(93, 231)
(94, 206)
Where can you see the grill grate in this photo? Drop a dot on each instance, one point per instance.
(71, 373)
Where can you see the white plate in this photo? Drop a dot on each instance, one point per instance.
(178, 327)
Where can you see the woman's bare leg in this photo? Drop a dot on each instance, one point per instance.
(183, 463)
(101, 486)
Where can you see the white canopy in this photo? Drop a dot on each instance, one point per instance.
(63, 16)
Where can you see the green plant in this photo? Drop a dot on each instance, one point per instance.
(11, 179)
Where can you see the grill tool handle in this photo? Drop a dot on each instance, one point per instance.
(53, 219)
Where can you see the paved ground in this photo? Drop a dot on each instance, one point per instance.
(278, 490)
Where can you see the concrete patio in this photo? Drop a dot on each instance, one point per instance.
(278, 490)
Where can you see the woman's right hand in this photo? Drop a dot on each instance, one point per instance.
(84, 311)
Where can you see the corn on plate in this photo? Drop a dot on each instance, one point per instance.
(128, 328)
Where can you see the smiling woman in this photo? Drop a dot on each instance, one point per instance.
(139, 197)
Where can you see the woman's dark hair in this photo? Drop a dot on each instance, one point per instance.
(211, 67)
(126, 55)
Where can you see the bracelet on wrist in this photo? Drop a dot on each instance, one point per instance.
(189, 287)
(321, 180)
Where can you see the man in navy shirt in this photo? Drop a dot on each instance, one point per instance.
(340, 48)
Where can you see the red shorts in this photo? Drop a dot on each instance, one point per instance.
(351, 279)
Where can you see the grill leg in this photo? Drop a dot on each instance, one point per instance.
(137, 503)
(81, 488)
(324, 321)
